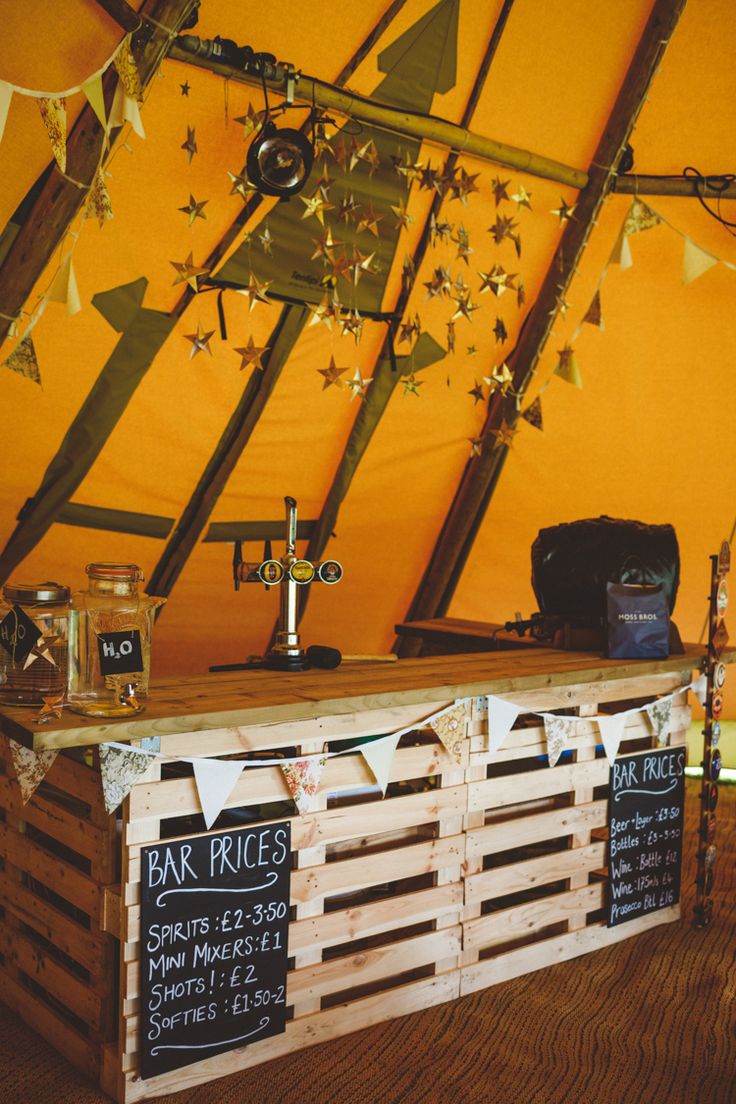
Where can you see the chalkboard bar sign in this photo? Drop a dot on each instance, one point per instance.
(645, 822)
(215, 920)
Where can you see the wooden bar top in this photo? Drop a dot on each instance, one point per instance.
(231, 699)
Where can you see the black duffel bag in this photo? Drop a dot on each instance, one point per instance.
(572, 564)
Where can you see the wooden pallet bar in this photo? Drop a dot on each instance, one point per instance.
(463, 875)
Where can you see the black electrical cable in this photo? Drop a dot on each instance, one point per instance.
(715, 184)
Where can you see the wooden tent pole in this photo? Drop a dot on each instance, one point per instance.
(642, 184)
(185, 535)
(481, 473)
(409, 124)
(376, 400)
(119, 10)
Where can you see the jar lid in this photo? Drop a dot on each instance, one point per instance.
(117, 572)
(26, 594)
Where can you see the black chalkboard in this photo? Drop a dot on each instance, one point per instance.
(214, 929)
(645, 819)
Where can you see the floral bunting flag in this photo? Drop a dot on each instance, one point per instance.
(98, 203)
(120, 769)
(450, 727)
(659, 713)
(64, 287)
(53, 113)
(6, 93)
(501, 717)
(127, 70)
(216, 780)
(23, 360)
(302, 777)
(594, 313)
(379, 755)
(612, 729)
(558, 731)
(640, 217)
(533, 414)
(31, 767)
(695, 261)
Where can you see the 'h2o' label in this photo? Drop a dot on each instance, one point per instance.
(120, 652)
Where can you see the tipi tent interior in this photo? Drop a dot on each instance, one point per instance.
(498, 300)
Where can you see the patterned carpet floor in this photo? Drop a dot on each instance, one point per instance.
(651, 1020)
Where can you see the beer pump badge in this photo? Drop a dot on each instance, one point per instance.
(271, 572)
(724, 559)
(722, 597)
(302, 572)
(329, 572)
(719, 676)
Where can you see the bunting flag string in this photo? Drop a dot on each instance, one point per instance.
(302, 777)
(31, 767)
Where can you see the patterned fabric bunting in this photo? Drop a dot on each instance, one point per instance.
(98, 203)
(558, 731)
(31, 767)
(659, 714)
(302, 778)
(450, 727)
(120, 769)
(127, 70)
(23, 360)
(53, 113)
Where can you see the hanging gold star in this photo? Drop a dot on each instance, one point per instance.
(471, 350)
(332, 375)
(497, 280)
(369, 154)
(451, 337)
(358, 385)
(325, 182)
(412, 384)
(411, 328)
(251, 354)
(255, 291)
(251, 121)
(408, 270)
(361, 263)
(502, 228)
(522, 197)
(444, 180)
(188, 272)
(51, 709)
(504, 434)
(403, 218)
(440, 230)
(564, 212)
(352, 323)
(320, 313)
(498, 187)
(194, 209)
(241, 185)
(185, 88)
(464, 307)
(339, 265)
(324, 247)
(477, 392)
(322, 147)
(500, 331)
(500, 379)
(191, 144)
(40, 650)
(520, 294)
(200, 341)
(476, 445)
(561, 305)
(427, 178)
(315, 205)
(346, 208)
(464, 186)
(462, 240)
(266, 241)
(459, 286)
(341, 153)
(440, 284)
(369, 220)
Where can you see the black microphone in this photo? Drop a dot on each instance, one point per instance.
(319, 655)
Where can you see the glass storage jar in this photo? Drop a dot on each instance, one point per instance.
(34, 624)
(110, 628)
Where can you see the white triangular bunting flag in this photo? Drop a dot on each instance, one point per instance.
(302, 777)
(501, 717)
(621, 252)
(558, 731)
(93, 91)
(64, 287)
(612, 730)
(659, 714)
(695, 261)
(216, 779)
(700, 689)
(379, 755)
(451, 728)
(120, 769)
(6, 93)
(125, 110)
(31, 767)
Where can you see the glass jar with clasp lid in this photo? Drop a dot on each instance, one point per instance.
(110, 629)
(34, 623)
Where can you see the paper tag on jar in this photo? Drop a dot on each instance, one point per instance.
(18, 634)
(120, 652)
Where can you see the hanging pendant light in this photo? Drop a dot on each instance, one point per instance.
(279, 161)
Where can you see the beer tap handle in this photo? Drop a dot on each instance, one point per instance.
(237, 561)
(267, 555)
(290, 504)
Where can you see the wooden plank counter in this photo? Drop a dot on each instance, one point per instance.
(463, 875)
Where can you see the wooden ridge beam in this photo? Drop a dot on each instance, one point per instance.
(236, 435)
(481, 473)
(58, 201)
(376, 402)
(643, 184)
(410, 124)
